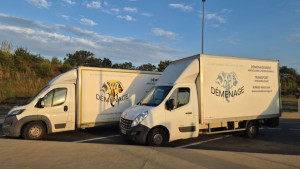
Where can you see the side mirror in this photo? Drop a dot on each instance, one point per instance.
(40, 103)
(170, 104)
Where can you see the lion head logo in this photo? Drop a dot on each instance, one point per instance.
(227, 81)
(112, 88)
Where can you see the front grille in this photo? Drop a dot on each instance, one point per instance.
(125, 124)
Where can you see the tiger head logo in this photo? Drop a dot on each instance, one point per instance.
(112, 88)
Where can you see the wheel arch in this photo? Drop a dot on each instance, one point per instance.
(162, 127)
(26, 120)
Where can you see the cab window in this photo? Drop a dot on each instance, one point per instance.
(55, 97)
(181, 97)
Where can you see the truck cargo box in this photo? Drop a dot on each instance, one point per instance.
(234, 88)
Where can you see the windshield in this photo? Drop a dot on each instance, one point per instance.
(156, 96)
(37, 95)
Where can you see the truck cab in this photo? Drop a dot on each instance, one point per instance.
(169, 111)
(51, 110)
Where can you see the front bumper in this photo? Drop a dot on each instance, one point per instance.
(9, 125)
(137, 134)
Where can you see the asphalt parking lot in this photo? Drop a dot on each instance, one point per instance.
(284, 139)
(104, 147)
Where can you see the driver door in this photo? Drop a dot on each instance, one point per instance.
(181, 116)
(58, 107)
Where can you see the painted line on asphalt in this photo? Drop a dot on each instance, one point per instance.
(274, 128)
(98, 138)
(201, 142)
(269, 128)
(294, 129)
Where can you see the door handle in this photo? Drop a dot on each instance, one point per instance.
(188, 113)
(65, 108)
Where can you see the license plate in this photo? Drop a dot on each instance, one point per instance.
(123, 131)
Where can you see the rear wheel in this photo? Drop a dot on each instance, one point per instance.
(157, 137)
(252, 129)
(34, 131)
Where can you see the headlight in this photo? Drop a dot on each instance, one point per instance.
(139, 119)
(16, 112)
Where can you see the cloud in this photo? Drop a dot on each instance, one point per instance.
(48, 41)
(217, 18)
(182, 7)
(146, 14)
(87, 22)
(232, 41)
(94, 4)
(212, 16)
(128, 9)
(165, 34)
(105, 3)
(126, 17)
(116, 10)
(22, 22)
(40, 3)
(69, 2)
(65, 17)
(293, 38)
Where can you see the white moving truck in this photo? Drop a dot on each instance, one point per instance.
(80, 98)
(206, 94)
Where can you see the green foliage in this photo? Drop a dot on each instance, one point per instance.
(65, 67)
(163, 65)
(44, 70)
(289, 79)
(79, 58)
(126, 65)
(106, 63)
(55, 61)
(147, 67)
(93, 62)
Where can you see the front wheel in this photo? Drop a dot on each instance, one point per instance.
(252, 129)
(34, 131)
(157, 137)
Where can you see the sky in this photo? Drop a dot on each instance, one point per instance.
(148, 31)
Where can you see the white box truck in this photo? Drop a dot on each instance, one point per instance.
(80, 98)
(206, 94)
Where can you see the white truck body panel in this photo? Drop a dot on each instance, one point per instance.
(253, 85)
(106, 93)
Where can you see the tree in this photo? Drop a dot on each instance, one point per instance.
(55, 61)
(65, 67)
(94, 62)
(163, 65)
(44, 70)
(5, 55)
(106, 63)
(289, 80)
(79, 58)
(147, 67)
(126, 65)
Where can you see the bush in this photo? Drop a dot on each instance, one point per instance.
(44, 70)
(65, 67)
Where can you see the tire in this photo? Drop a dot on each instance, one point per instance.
(252, 129)
(34, 131)
(157, 137)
